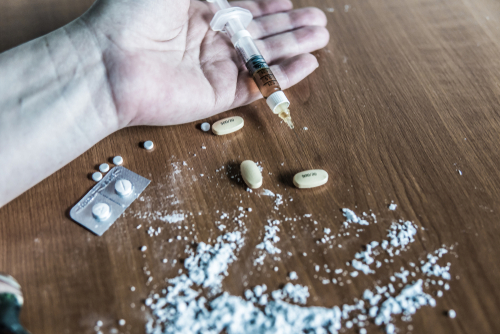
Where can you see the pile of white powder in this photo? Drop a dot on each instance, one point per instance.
(182, 308)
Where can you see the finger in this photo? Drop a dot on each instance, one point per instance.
(288, 73)
(289, 44)
(264, 7)
(268, 25)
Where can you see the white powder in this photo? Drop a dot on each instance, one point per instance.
(409, 300)
(268, 192)
(351, 217)
(278, 201)
(183, 309)
(297, 293)
(270, 239)
(431, 268)
(208, 266)
(173, 218)
(392, 206)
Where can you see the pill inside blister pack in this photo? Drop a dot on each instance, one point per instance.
(108, 199)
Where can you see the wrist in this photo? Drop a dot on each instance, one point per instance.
(84, 65)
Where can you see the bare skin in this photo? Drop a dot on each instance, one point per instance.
(140, 62)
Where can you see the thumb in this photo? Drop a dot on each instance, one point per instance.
(158, 20)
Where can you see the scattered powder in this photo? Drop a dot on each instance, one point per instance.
(297, 293)
(431, 268)
(183, 308)
(351, 217)
(270, 239)
(173, 218)
(268, 192)
(208, 265)
(278, 201)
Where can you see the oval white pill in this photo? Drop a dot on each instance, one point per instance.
(97, 176)
(310, 178)
(101, 211)
(251, 174)
(118, 160)
(227, 125)
(123, 187)
(148, 145)
(205, 126)
(104, 168)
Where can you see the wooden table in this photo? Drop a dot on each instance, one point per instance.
(404, 107)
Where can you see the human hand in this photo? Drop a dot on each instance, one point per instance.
(166, 66)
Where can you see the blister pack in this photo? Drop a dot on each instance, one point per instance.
(109, 198)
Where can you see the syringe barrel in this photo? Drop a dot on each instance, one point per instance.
(246, 48)
(263, 76)
(254, 61)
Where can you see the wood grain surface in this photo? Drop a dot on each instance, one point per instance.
(406, 96)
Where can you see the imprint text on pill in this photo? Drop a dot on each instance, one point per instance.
(101, 211)
(251, 174)
(123, 187)
(227, 125)
(310, 178)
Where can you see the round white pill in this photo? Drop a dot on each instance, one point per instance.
(104, 168)
(101, 211)
(148, 145)
(97, 176)
(205, 126)
(452, 314)
(123, 187)
(121, 322)
(118, 160)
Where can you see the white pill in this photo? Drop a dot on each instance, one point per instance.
(101, 211)
(310, 178)
(251, 174)
(123, 187)
(118, 160)
(452, 314)
(227, 125)
(205, 126)
(104, 168)
(148, 145)
(97, 176)
(121, 322)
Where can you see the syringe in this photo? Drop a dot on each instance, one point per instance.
(233, 21)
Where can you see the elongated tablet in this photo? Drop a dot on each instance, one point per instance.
(310, 178)
(227, 125)
(251, 174)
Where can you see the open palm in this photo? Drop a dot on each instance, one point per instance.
(166, 66)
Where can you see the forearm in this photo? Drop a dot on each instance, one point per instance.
(55, 103)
